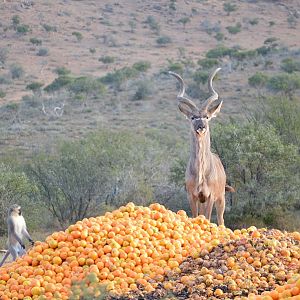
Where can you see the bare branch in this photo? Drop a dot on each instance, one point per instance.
(59, 111)
(43, 109)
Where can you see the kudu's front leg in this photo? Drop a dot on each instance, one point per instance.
(193, 205)
(202, 208)
(208, 208)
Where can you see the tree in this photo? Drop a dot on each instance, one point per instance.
(86, 87)
(260, 165)
(287, 84)
(70, 182)
(184, 21)
(289, 65)
(258, 80)
(107, 168)
(283, 115)
(200, 77)
(229, 7)
(3, 55)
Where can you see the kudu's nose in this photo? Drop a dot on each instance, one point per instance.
(201, 130)
(199, 126)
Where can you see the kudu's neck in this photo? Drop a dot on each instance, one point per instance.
(200, 151)
(200, 144)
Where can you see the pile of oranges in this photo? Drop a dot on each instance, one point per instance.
(131, 249)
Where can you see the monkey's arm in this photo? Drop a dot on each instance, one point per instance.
(12, 231)
(27, 235)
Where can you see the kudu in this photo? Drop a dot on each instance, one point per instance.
(205, 177)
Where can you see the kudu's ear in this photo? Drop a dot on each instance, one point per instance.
(185, 110)
(214, 110)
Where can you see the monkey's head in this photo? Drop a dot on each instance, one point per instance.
(15, 209)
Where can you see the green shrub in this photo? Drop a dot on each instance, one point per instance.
(58, 83)
(289, 65)
(184, 21)
(200, 77)
(234, 29)
(270, 40)
(132, 25)
(285, 83)
(86, 85)
(2, 94)
(264, 50)
(177, 172)
(257, 162)
(78, 35)
(49, 28)
(117, 77)
(176, 67)
(3, 55)
(31, 101)
(107, 59)
(209, 27)
(34, 86)
(172, 5)
(292, 20)
(208, 63)
(43, 52)
(16, 21)
(276, 111)
(142, 66)
(268, 63)
(13, 106)
(253, 21)
(220, 51)
(35, 41)
(258, 80)
(219, 36)
(62, 71)
(153, 24)
(23, 29)
(229, 7)
(92, 50)
(144, 89)
(246, 54)
(16, 71)
(5, 79)
(163, 40)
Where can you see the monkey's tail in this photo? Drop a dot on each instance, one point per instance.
(229, 188)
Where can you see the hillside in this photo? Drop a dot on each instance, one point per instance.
(37, 37)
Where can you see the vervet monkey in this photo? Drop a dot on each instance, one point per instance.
(16, 231)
